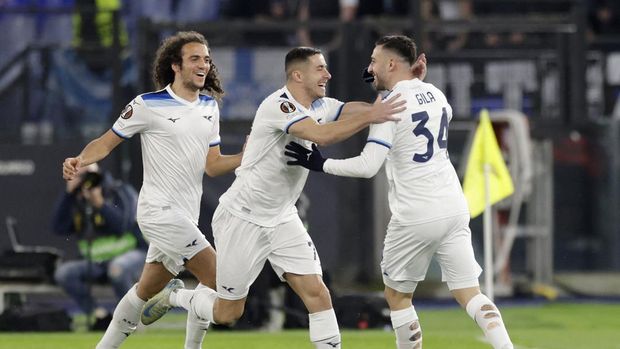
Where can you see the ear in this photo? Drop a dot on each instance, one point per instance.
(297, 75)
(392, 65)
(175, 67)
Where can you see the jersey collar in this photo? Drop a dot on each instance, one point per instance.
(182, 100)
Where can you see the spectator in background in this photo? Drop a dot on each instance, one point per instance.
(447, 10)
(100, 212)
(604, 18)
(94, 30)
(344, 10)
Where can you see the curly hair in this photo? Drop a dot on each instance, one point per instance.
(169, 53)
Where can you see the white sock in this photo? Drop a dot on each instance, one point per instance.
(196, 328)
(124, 321)
(487, 316)
(407, 328)
(198, 301)
(324, 332)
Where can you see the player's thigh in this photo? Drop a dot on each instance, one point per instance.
(456, 257)
(173, 238)
(293, 251)
(242, 249)
(407, 253)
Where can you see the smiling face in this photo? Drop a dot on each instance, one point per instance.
(194, 67)
(315, 76)
(378, 67)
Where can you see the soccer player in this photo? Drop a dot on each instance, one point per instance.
(180, 139)
(256, 219)
(429, 212)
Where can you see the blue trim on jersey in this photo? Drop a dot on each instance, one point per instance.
(339, 112)
(208, 102)
(380, 142)
(205, 98)
(163, 103)
(386, 96)
(294, 122)
(215, 144)
(118, 133)
(163, 94)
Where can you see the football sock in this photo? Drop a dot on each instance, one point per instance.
(199, 301)
(407, 328)
(124, 321)
(324, 332)
(196, 328)
(487, 316)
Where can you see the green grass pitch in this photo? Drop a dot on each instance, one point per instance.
(548, 326)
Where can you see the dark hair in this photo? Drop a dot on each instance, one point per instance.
(299, 54)
(169, 52)
(401, 45)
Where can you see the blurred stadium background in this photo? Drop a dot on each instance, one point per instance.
(549, 71)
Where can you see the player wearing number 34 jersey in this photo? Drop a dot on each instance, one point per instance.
(430, 217)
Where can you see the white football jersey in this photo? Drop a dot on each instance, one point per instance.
(175, 135)
(266, 188)
(423, 184)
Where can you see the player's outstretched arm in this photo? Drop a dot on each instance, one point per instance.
(365, 165)
(94, 151)
(333, 132)
(218, 164)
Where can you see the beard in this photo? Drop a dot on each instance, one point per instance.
(378, 84)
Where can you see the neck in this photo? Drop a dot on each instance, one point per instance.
(300, 95)
(397, 77)
(182, 91)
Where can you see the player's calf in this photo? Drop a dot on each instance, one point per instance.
(407, 328)
(487, 316)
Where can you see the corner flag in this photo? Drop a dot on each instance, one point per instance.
(485, 151)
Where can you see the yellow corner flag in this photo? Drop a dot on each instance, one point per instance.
(485, 150)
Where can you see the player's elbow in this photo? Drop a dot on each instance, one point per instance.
(212, 172)
(367, 174)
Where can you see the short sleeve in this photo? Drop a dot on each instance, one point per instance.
(280, 114)
(382, 134)
(214, 136)
(333, 108)
(133, 119)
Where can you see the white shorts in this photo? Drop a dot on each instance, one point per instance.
(408, 250)
(243, 247)
(173, 238)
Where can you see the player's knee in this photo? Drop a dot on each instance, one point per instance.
(320, 293)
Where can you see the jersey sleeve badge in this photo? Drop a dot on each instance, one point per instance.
(127, 112)
(287, 107)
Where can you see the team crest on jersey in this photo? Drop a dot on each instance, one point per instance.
(287, 107)
(127, 112)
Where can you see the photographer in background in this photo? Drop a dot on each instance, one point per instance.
(100, 214)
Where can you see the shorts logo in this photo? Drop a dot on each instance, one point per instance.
(287, 107)
(127, 112)
(229, 289)
(193, 243)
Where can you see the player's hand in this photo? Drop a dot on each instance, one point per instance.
(419, 67)
(384, 111)
(70, 168)
(311, 159)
